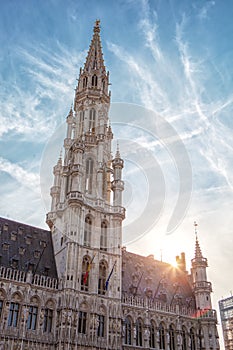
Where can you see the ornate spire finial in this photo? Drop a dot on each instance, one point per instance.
(195, 228)
(118, 150)
(97, 26)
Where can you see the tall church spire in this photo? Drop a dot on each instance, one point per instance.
(94, 58)
(93, 79)
(201, 287)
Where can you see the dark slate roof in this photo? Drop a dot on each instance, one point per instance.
(145, 276)
(25, 247)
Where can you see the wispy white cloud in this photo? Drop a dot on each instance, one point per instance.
(22, 176)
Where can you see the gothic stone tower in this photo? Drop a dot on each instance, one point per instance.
(86, 212)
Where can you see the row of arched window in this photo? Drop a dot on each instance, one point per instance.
(88, 233)
(32, 316)
(103, 266)
(94, 82)
(166, 338)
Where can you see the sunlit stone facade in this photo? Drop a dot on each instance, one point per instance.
(75, 286)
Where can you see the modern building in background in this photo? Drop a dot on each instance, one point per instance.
(226, 314)
(75, 286)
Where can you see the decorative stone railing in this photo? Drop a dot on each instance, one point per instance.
(10, 274)
(152, 305)
(75, 195)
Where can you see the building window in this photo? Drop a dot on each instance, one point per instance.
(100, 331)
(92, 119)
(171, 338)
(102, 277)
(89, 175)
(139, 333)
(128, 331)
(84, 82)
(85, 273)
(13, 315)
(192, 340)
(103, 236)
(82, 322)
(1, 307)
(32, 317)
(81, 123)
(152, 336)
(48, 320)
(87, 231)
(161, 337)
(184, 338)
(94, 80)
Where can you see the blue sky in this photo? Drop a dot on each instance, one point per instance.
(172, 57)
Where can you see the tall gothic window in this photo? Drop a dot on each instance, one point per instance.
(13, 314)
(82, 322)
(171, 338)
(84, 82)
(100, 330)
(152, 335)
(128, 331)
(85, 273)
(184, 338)
(92, 119)
(32, 317)
(94, 80)
(48, 320)
(1, 307)
(103, 236)
(192, 340)
(89, 175)
(102, 277)
(87, 231)
(139, 332)
(81, 121)
(161, 337)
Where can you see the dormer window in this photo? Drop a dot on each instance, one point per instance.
(14, 263)
(28, 239)
(5, 227)
(5, 246)
(13, 236)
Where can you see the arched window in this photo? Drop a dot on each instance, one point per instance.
(103, 236)
(13, 314)
(87, 231)
(48, 320)
(192, 339)
(32, 314)
(81, 121)
(161, 337)
(139, 332)
(152, 335)
(100, 330)
(94, 80)
(184, 338)
(82, 322)
(84, 82)
(89, 175)
(171, 338)
(92, 119)
(85, 273)
(102, 277)
(128, 331)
